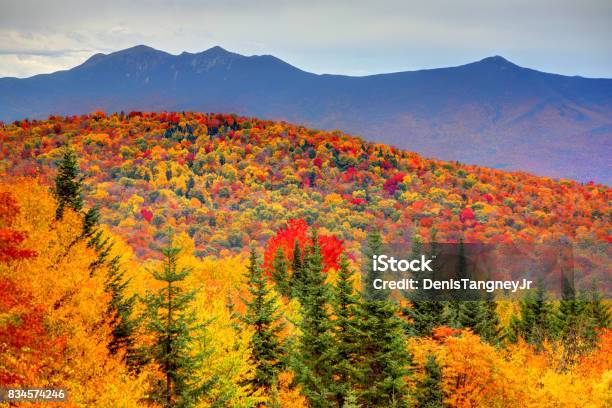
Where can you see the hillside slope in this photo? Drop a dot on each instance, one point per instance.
(227, 180)
(491, 112)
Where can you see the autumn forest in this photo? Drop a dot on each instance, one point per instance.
(211, 260)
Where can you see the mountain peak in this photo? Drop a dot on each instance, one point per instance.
(132, 53)
(218, 52)
(217, 49)
(497, 60)
(138, 50)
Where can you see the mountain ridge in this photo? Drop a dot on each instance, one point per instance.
(489, 112)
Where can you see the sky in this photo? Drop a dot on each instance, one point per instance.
(353, 37)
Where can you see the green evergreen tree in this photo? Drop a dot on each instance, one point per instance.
(314, 363)
(425, 312)
(90, 225)
(262, 315)
(489, 328)
(429, 391)
(178, 346)
(461, 272)
(351, 400)
(280, 273)
(385, 362)
(123, 322)
(68, 191)
(596, 310)
(374, 246)
(571, 322)
(534, 323)
(596, 316)
(298, 278)
(121, 306)
(68, 183)
(470, 315)
(346, 331)
(471, 309)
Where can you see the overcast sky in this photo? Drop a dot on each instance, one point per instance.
(354, 37)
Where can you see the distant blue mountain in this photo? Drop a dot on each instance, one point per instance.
(491, 112)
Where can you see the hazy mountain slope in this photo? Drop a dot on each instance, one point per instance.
(490, 112)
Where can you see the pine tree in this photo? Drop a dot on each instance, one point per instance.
(384, 361)
(373, 247)
(172, 325)
(298, 279)
(121, 306)
(68, 183)
(262, 315)
(461, 272)
(596, 310)
(534, 323)
(429, 391)
(488, 328)
(90, 225)
(351, 400)
(314, 365)
(123, 322)
(280, 273)
(469, 309)
(417, 251)
(346, 331)
(571, 320)
(426, 312)
(596, 316)
(68, 190)
(474, 315)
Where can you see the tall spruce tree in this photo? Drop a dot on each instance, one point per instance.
(262, 315)
(68, 191)
(574, 322)
(374, 246)
(280, 273)
(472, 310)
(298, 273)
(470, 315)
(488, 327)
(534, 322)
(123, 322)
(314, 363)
(571, 320)
(68, 183)
(429, 391)
(178, 347)
(384, 362)
(425, 312)
(596, 315)
(346, 331)
(351, 400)
(597, 310)
(461, 272)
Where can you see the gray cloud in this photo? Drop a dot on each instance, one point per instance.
(352, 37)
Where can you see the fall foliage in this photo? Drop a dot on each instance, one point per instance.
(209, 186)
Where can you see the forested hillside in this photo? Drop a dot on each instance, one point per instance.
(227, 180)
(195, 260)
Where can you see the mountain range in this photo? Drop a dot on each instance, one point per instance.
(490, 112)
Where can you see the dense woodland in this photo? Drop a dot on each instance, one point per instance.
(186, 260)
